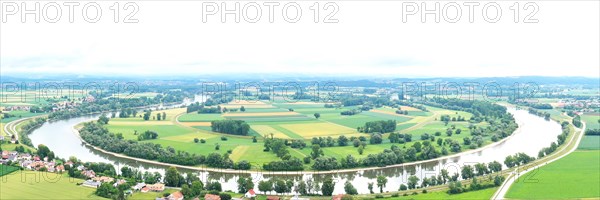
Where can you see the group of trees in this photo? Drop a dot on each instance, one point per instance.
(517, 159)
(350, 112)
(234, 127)
(28, 128)
(115, 103)
(381, 126)
(147, 135)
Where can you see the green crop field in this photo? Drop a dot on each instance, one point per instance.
(479, 194)
(40, 185)
(574, 176)
(591, 120)
(590, 142)
(194, 117)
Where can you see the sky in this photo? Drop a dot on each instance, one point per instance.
(369, 39)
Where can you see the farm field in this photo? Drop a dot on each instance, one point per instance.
(38, 185)
(479, 194)
(590, 142)
(574, 176)
(275, 119)
(591, 120)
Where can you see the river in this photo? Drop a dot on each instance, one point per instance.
(533, 134)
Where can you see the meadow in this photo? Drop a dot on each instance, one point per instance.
(286, 121)
(40, 185)
(479, 194)
(574, 176)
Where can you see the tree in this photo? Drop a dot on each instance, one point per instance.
(316, 151)
(412, 182)
(481, 169)
(172, 177)
(302, 188)
(317, 115)
(349, 188)
(376, 138)
(242, 109)
(213, 186)
(381, 182)
(197, 187)
(467, 172)
(342, 140)
(265, 186)
(370, 186)
(245, 184)
(164, 116)
(196, 140)
(103, 119)
(498, 180)
(327, 187)
(186, 191)
(147, 115)
(495, 166)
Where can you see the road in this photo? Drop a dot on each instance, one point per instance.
(514, 176)
(10, 128)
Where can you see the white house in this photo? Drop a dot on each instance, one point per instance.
(250, 194)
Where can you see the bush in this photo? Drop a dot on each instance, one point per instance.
(223, 138)
(395, 195)
(225, 196)
(347, 197)
(202, 141)
(307, 160)
(196, 140)
(403, 187)
(424, 191)
(379, 196)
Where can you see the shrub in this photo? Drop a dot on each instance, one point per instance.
(379, 196)
(202, 141)
(424, 191)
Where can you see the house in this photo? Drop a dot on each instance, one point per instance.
(4, 155)
(60, 168)
(175, 196)
(145, 189)
(212, 197)
(36, 158)
(337, 197)
(272, 198)
(139, 186)
(69, 163)
(25, 156)
(90, 183)
(250, 194)
(89, 173)
(119, 182)
(103, 179)
(158, 187)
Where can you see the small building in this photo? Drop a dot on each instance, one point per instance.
(158, 187)
(119, 182)
(250, 194)
(145, 189)
(212, 197)
(138, 186)
(103, 179)
(90, 183)
(175, 196)
(272, 198)
(89, 173)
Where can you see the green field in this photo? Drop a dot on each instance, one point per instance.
(40, 185)
(591, 120)
(590, 142)
(479, 194)
(574, 176)
(5, 169)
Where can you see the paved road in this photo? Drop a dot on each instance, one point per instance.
(514, 176)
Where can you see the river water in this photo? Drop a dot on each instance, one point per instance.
(533, 134)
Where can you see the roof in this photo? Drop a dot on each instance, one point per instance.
(272, 198)
(251, 191)
(176, 195)
(337, 197)
(212, 197)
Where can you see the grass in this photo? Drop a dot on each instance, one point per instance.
(20, 115)
(318, 129)
(194, 117)
(40, 185)
(6, 169)
(150, 195)
(591, 120)
(590, 142)
(479, 194)
(574, 176)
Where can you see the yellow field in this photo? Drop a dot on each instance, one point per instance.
(238, 114)
(387, 112)
(407, 108)
(319, 129)
(267, 130)
(238, 152)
